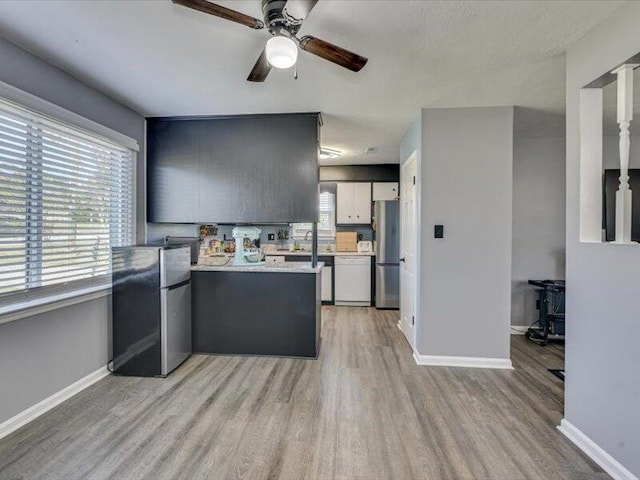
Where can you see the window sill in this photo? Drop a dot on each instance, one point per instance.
(11, 313)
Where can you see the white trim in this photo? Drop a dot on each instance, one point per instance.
(134, 200)
(590, 175)
(141, 194)
(518, 329)
(344, 303)
(58, 113)
(412, 158)
(31, 413)
(595, 452)
(52, 302)
(468, 362)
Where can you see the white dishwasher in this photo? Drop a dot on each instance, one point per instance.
(353, 280)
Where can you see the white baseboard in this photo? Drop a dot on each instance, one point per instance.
(31, 413)
(595, 452)
(469, 362)
(351, 304)
(518, 330)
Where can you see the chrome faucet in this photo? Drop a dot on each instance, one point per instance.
(306, 235)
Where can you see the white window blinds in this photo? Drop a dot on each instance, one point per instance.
(66, 197)
(326, 219)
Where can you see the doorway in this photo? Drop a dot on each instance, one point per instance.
(408, 246)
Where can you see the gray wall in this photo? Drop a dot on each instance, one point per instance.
(538, 220)
(386, 172)
(43, 354)
(465, 172)
(602, 355)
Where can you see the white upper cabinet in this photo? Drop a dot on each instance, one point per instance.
(362, 202)
(353, 203)
(385, 191)
(344, 203)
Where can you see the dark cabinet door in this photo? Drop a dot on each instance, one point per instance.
(173, 171)
(243, 169)
(260, 169)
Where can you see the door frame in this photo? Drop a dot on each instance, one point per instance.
(410, 162)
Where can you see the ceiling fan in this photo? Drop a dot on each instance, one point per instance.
(283, 19)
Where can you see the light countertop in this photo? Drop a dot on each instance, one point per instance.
(321, 253)
(287, 267)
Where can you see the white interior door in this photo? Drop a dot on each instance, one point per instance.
(408, 249)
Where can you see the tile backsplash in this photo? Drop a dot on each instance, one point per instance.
(156, 232)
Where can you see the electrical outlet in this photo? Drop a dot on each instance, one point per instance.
(271, 237)
(438, 231)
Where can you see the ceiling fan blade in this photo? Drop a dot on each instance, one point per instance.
(298, 10)
(261, 69)
(333, 53)
(222, 12)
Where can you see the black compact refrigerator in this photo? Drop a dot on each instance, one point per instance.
(151, 304)
(387, 217)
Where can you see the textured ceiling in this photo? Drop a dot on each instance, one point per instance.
(162, 59)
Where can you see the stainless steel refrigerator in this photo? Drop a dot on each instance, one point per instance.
(151, 312)
(387, 216)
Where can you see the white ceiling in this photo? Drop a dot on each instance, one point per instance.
(162, 59)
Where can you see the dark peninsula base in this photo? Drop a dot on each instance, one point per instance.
(256, 313)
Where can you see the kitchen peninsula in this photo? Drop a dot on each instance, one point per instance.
(271, 309)
(242, 170)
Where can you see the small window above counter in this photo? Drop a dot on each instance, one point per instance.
(326, 220)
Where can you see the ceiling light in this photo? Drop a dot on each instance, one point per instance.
(327, 153)
(282, 52)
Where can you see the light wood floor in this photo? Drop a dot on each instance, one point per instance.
(362, 410)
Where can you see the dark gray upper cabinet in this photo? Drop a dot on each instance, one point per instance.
(173, 172)
(241, 169)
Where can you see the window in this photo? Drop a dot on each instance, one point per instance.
(326, 219)
(66, 197)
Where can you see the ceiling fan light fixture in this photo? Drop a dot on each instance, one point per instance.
(282, 52)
